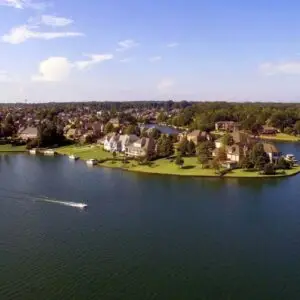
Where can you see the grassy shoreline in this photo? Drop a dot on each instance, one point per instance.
(162, 166)
(158, 167)
(8, 148)
(281, 137)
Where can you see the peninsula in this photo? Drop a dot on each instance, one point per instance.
(169, 138)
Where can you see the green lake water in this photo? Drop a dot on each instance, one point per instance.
(145, 236)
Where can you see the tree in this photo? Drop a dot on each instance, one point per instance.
(114, 155)
(283, 164)
(227, 139)
(154, 133)
(164, 146)
(183, 146)
(8, 128)
(297, 127)
(144, 132)
(131, 129)
(203, 151)
(288, 130)
(191, 148)
(49, 134)
(206, 146)
(258, 156)
(246, 163)
(222, 155)
(109, 127)
(179, 161)
(161, 117)
(203, 158)
(269, 169)
(215, 164)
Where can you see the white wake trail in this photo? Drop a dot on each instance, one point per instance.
(66, 203)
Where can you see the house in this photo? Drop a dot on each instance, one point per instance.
(144, 147)
(269, 130)
(272, 151)
(226, 126)
(219, 143)
(111, 143)
(29, 133)
(196, 136)
(115, 122)
(241, 143)
(98, 128)
(125, 140)
(236, 152)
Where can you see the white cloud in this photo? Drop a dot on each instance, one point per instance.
(4, 76)
(173, 45)
(54, 21)
(18, 35)
(165, 84)
(54, 69)
(94, 59)
(126, 60)
(287, 68)
(155, 58)
(22, 4)
(127, 44)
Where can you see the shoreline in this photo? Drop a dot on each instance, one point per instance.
(163, 167)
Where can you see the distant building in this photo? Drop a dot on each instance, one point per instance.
(144, 147)
(273, 153)
(29, 133)
(115, 122)
(196, 136)
(226, 126)
(267, 130)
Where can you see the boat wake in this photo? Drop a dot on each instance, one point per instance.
(21, 195)
(66, 203)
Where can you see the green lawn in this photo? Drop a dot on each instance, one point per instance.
(192, 168)
(281, 137)
(9, 148)
(85, 152)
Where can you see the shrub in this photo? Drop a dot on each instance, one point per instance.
(269, 169)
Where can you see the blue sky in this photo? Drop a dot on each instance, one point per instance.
(71, 50)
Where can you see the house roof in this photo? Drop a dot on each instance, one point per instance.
(194, 133)
(241, 137)
(270, 148)
(29, 130)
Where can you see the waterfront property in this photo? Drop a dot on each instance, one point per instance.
(143, 147)
(226, 126)
(28, 133)
(119, 143)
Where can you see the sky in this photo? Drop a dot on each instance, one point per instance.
(120, 50)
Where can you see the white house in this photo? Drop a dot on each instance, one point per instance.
(219, 143)
(119, 143)
(126, 140)
(111, 142)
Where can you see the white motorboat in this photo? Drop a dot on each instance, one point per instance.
(290, 158)
(91, 162)
(73, 157)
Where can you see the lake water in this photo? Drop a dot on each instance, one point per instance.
(161, 128)
(145, 236)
